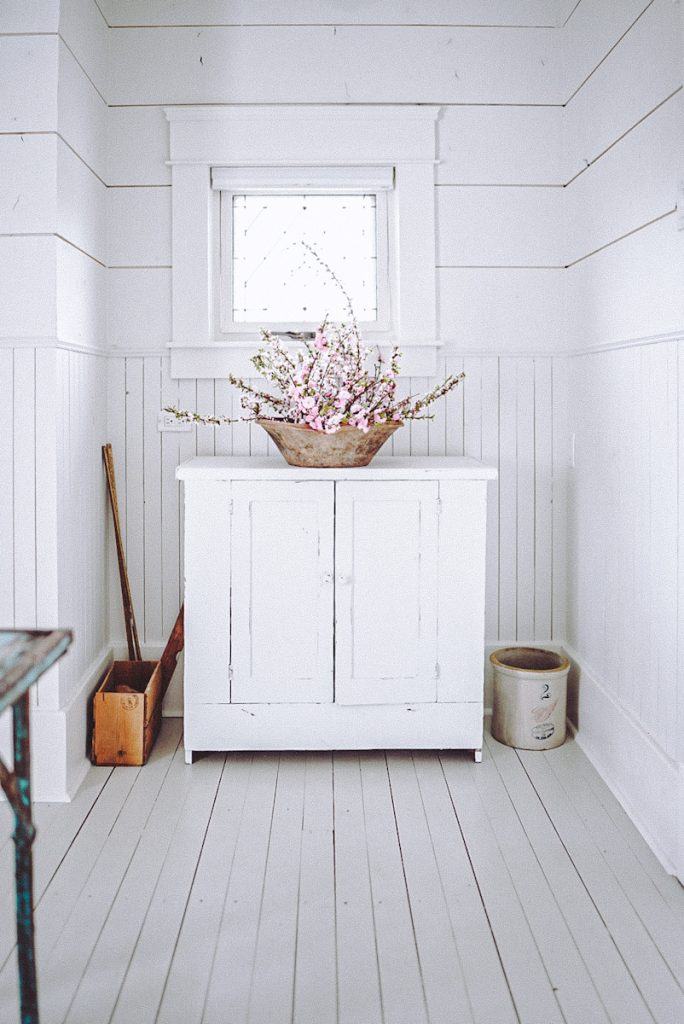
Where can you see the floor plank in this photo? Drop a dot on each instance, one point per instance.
(315, 996)
(401, 980)
(358, 972)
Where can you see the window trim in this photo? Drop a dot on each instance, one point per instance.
(204, 138)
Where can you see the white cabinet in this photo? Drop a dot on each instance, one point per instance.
(334, 609)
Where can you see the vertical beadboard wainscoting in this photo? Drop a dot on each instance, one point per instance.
(625, 574)
(504, 414)
(53, 539)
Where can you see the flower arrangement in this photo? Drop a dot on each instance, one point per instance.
(327, 384)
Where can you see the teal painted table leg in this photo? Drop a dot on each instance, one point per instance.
(23, 839)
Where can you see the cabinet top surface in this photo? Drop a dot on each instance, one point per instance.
(451, 467)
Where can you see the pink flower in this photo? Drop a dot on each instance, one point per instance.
(343, 397)
(320, 341)
(308, 403)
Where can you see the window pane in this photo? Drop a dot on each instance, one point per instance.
(275, 279)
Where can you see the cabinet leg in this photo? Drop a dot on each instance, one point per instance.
(188, 756)
(478, 755)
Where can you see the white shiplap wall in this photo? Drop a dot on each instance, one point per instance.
(624, 152)
(498, 199)
(53, 373)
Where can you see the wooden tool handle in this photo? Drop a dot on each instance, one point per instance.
(129, 615)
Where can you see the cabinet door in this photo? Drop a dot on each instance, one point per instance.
(282, 591)
(386, 594)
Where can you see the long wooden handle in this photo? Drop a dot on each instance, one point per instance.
(129, 615)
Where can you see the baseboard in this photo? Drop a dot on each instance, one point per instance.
(59, 755)
(647, 783)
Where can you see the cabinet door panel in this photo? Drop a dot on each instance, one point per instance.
(282, 591)
(386, 600)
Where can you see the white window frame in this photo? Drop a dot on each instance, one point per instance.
(355, 141)
(232, 181)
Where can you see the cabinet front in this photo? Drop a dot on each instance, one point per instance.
(386, 557)
(282, 591)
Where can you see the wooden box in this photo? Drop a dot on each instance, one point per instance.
(125, 725)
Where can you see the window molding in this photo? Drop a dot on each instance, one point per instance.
(219, 141)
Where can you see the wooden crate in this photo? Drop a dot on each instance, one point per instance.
(125, 725)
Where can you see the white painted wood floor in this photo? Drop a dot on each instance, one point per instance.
(400, 888)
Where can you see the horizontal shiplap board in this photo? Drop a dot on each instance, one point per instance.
(632, 289)
(37, 16)
(632, 184)
(639, 74)
(82, 113)
(84, 30)
(129, 243)
(500, 146)
(491, 226)
(81, 204)
(139, 308)
(137, 146)
(501, 310)
(595, 27)
(333, 12)
(28, 72)
(343, 65)
(81, 297)
(28, 183)
(28, 297)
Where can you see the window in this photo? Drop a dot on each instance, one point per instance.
(263, 196)
(281, 247)
(298, 244)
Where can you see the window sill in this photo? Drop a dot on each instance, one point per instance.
(221, 358)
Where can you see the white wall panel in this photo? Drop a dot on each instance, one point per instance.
(37, 16)
(508, 145)
(139, 221)
(592, 31)
(82, 513)
(139, 308)
(343, 65)
(24, 503)
(332, 12)
(632, 184)
(26, 309)
(623, 528)
(84, 30)
(137, 146)
(28, 184)
(638, 75)
(81, 297)
(501, 310)
(28, 71)
(81, 204)
(492, 227)
(82, 113)
(632, 289)
(7, 491)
